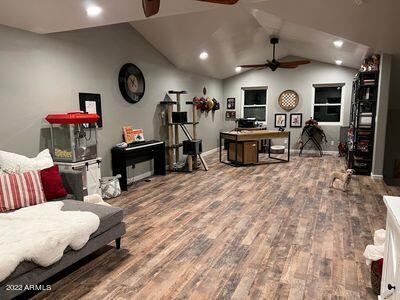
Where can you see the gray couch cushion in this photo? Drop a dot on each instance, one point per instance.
(109, 217)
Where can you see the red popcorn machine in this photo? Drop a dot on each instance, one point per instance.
(73, 136)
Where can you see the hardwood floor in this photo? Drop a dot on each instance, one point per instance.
(272, 232)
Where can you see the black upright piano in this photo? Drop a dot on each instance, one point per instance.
(136, 153)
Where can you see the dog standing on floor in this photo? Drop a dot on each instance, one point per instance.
(345, 178)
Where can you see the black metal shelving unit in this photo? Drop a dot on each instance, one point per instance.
(361, 135)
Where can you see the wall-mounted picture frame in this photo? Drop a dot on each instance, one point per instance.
(230, 103)
(296, 120)
(230, 115)
(91, 103)
(280, 120)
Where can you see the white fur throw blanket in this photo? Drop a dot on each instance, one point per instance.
(41, 233)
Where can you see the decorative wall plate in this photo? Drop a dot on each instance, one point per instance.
(288, 100)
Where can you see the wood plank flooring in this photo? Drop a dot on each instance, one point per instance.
(261, 232)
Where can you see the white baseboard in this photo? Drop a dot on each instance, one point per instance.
(211, 151)
(151, 173)
(296, 151)
(140, 177)
(292, 151)
(376, 176)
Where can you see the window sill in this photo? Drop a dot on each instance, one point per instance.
(330, 123)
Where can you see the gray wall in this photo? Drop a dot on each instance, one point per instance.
(42, 74)
(392, 143)
(381, 117)
(300, 80)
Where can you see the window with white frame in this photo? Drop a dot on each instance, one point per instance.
(254, 104)
(327, 105)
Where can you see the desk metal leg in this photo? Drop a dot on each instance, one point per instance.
(220, 147)
(236, 151)
(269, 148)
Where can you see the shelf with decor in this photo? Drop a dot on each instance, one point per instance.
(362, 122)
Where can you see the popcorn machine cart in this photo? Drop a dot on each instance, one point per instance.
(74, 146)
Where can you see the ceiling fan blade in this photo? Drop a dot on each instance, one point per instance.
(293, 64)
(151, 7)
(254, 66)
(288, 66)
(229, 2)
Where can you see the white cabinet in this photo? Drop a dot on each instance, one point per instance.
(91, 173)
(390, 286)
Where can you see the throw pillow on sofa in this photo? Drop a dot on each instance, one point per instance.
(20, 190)
(15, 163)
(52, 183)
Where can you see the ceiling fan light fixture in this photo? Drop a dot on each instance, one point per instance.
(339, 62)
(203, 55)
(338, 43)
(274, 64)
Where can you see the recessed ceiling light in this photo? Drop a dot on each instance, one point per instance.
(94, 11)
(203, 55)
(338, 62)
(238, 69)
(338, 43)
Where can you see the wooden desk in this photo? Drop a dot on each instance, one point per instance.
(236, 137)
(262, 143)
(250, 128)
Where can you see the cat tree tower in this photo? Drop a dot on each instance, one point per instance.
(191, 147)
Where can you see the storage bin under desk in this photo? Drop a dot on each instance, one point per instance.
(247, 152)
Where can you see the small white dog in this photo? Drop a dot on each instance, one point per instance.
(345, 178)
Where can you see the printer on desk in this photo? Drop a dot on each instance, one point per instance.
(247, 123)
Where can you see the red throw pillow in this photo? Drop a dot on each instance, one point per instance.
(20, 190)
(52, 183)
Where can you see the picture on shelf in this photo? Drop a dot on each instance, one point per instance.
(230, 115)
(296, 120)
(280, 120)
(91, 103)
(132, 135)
(230, 103)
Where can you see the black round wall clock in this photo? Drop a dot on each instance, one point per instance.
(131, 83)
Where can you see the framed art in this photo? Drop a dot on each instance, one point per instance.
(296, 120)
(230, 115)
(230, 103)
(132, 135)
(91, 103)
(280, 120)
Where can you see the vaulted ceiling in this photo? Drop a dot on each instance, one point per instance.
(230, 34)
(240, 35)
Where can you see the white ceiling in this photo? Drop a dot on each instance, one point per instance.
(240, 35)
(231, 34)
(47, 16)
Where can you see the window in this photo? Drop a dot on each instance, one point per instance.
(327, 106)
(255, 104)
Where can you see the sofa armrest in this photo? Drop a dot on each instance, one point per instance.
(73, 183)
